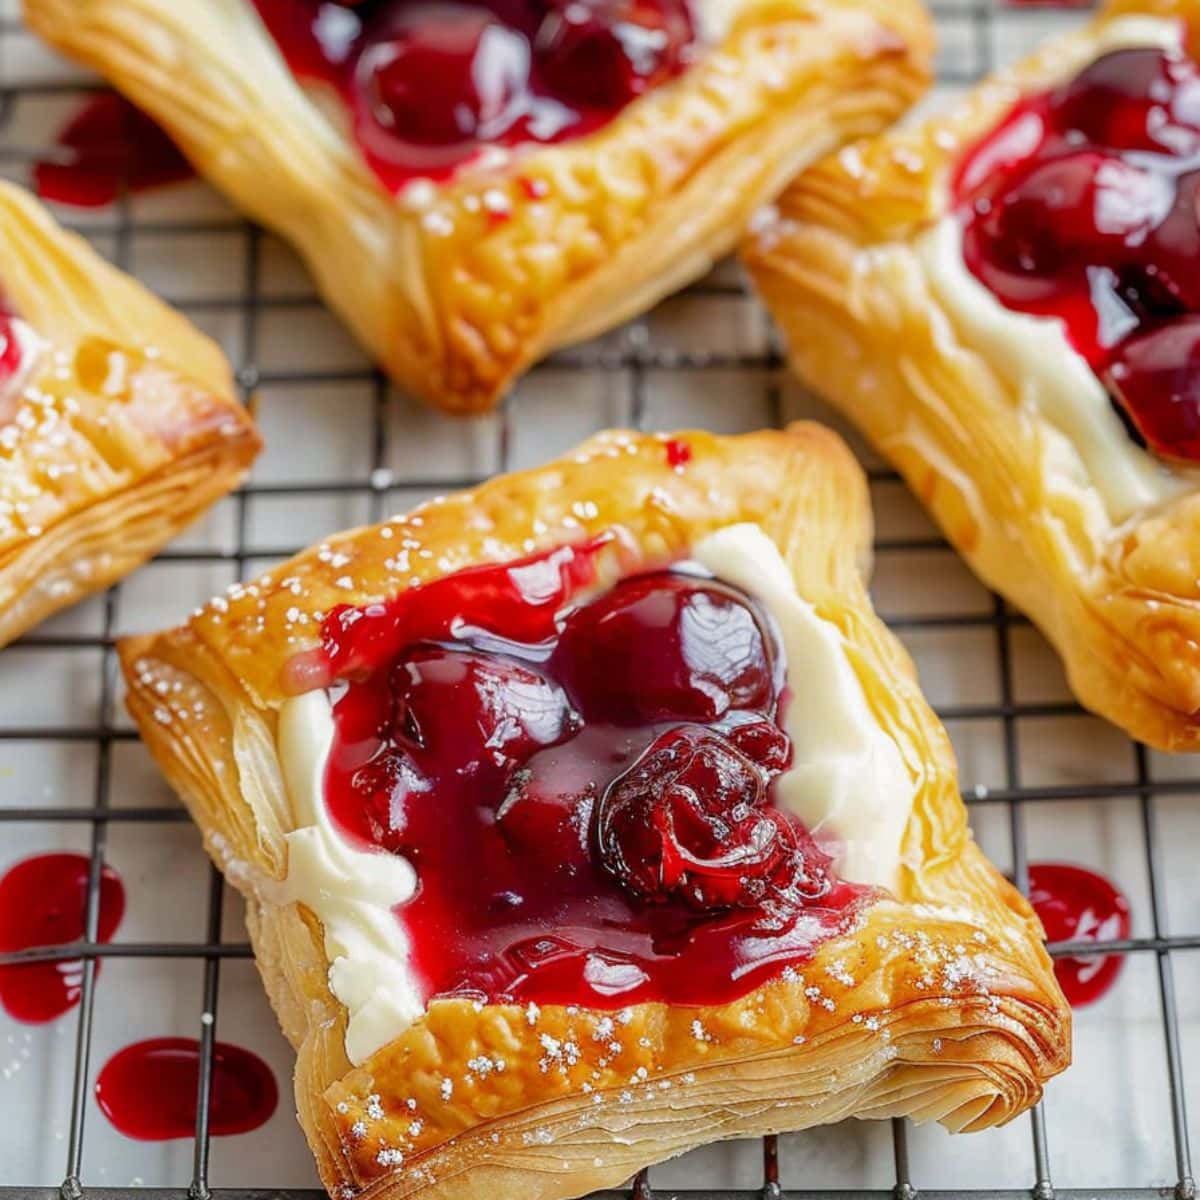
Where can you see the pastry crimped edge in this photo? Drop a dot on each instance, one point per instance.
(126, 430)
(835, 264)
(940, 1004)
(454, 303)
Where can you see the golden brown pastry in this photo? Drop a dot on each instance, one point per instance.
(691, 854)
(462, 230)
(1003, 298)
(118, 422)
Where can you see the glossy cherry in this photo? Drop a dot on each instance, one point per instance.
(1083, 205)
(148, 1089)
(583, 784)
(603, 53)
(673, 649)
(429, 84)
(690, 820)
(1132, 99)
(444, 74)
(1076, 904)
(1157, 377)
(43, 902)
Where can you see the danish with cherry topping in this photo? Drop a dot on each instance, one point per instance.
(476, 183)
(592, 814)
(1005, 299)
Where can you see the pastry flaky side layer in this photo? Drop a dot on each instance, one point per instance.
(121, 429)
(940, 1004)
(839, 265)
(454, 302)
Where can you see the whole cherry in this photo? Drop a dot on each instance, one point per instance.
(604, 53)
(690, 820)
(670, 648)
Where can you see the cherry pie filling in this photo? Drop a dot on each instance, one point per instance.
(583, 783)
(19, 348)
(1083, 205)
(429, 84)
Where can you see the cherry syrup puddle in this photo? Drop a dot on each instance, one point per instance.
(582, 781)
(1084, 204)
(43, 902)
(427, 85)
(107, 149)
(1079, 905)
(148, 1090)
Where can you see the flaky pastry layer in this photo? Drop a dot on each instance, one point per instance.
(452, 298)
(838, 269)
(940, 1004)
(126, 430)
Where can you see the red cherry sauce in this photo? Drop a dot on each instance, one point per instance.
(678, 452)
(107, 149)
(148, 1090)
(1082, 205)
(428, 84)
(10, 348)
(43, 902)
(583, 783)
(1075, 905)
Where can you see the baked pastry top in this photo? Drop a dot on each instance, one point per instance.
(464, 229)
(1004, 298)
(118, 420)
(593, 814)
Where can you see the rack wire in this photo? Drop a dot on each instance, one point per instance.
(635, 355)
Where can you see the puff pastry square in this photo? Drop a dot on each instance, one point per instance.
(457, 287)
(937, 1000)
(1065, 514)
(118, 420)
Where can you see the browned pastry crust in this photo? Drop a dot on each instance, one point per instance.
(941, 1004)
(126, 431)
(453, 302)
(1120, 602)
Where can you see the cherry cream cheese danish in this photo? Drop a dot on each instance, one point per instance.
(592, 815)
(118, 422)
(477, 182)
(1005, 299)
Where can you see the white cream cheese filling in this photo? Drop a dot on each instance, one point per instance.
(1052, 378)
(352, 890)
(848, 784)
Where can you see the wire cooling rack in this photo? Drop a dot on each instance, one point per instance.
(641, 371)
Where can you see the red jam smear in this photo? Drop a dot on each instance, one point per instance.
(43, 902)
(584, 785)
(10, 348)
(428, 84)
(148, 1090)
(1082, 204)
(1076, 905)
(107, 149)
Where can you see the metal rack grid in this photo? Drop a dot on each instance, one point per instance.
(637, 356)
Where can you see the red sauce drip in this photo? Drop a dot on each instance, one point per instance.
(1082, 205)
(43, 902)
(1076, 904)
(583, 788)
(10, 348)
(428, 84)
(108, 148)
(679, 453)
(148, 1090)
